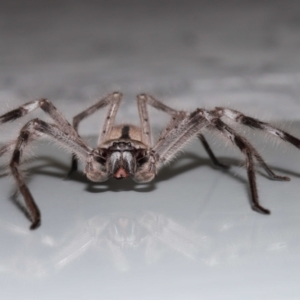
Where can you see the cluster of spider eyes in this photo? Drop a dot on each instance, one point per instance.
(120, 144)
(140, 154)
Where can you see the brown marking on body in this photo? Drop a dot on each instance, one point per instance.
(134, 132)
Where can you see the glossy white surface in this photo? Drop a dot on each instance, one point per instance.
(191, 233)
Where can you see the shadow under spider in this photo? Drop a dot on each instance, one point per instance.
(167, 173)
(194, 161)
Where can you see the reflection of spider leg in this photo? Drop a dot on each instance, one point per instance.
(113, 100)
(170, 233)
(79, 246)
(33, 129)
(82, 238)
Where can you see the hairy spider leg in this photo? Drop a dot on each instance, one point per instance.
(248, 150)
(257, 124)
(176, 117)
(47, 107)
(37, 129)
(113, 100)
(27, 108)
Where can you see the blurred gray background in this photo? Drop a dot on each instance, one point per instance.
(185, 52)
(191, 234)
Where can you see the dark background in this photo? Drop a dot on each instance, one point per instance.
(79, 49)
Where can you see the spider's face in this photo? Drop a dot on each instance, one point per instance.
(121, 164)
(123, 158)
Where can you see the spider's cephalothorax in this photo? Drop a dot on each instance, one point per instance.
(121, 157)
(127, 151)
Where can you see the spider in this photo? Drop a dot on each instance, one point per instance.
(126, 150)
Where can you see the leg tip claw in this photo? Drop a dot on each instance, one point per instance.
(261, 210)
(35, 224)
(282, 178)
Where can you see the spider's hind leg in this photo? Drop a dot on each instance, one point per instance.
(249, 152)
(210, 153)
(272, 175)
(257, 124)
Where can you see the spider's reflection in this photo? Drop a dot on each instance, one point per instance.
(149, 236)
(120, 238)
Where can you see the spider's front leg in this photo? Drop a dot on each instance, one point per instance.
(38, 128)
(113, 100)
(47, 107)
(95, 168)
(176, 117)
(177, 136)
(174, 137)
(148, 170)
(29, 107)
(179, 130)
